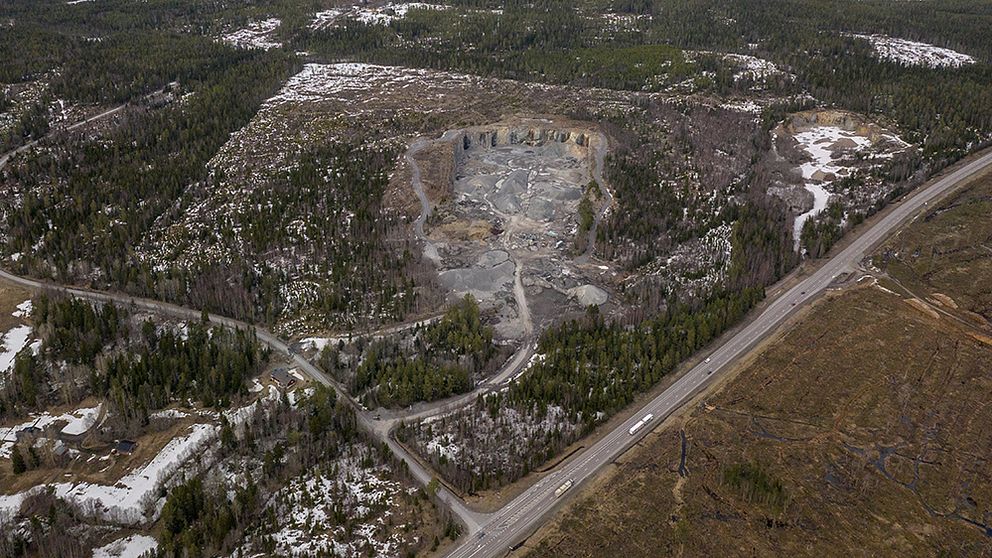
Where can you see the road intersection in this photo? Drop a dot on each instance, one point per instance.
(522, 515)
(494, 534)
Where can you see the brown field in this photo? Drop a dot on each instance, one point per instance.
(946, 255)
(10, 296)
(96, 463)
(870, 414)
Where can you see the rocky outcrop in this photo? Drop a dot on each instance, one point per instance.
(575, 140)
(589, 295)
(849, 121)
(489, 137)
(798, 198)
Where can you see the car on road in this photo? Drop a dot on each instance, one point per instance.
(708, 359)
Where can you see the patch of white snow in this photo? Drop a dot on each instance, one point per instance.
(133, 546)
(256, 35)
(912, 53)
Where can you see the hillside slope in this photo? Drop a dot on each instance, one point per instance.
(862, 431)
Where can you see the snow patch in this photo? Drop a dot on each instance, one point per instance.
(299, 395)
(304, 511)
(822, 144)
(912, 53)
(318, 343)
(238, 417)
(256, 386)
(13, 341)
(743, 105)
(8, 436)
(382, 15)
(614, 23)
(82, 420)
(132, 499)
(695, 266)
(256, 35)
(752, 68)
(168, 414)
(23, 309)
(478, 441)
(133, 546)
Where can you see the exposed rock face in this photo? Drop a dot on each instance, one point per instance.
(573, 141)
(509, 134)
(826, 146)
(821, 176)
(505, 233)
(796, 196)
(849, 121)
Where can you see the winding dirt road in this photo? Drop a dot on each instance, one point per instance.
(512, 523)
(7, 156)
(599, 160)
(493, 533)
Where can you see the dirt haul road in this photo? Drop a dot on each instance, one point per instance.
(7, 156)
(521, 516)
(470, 518)
(600, 145)
(493, 534)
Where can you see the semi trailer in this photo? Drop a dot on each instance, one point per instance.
(640, 424)
(563, 488)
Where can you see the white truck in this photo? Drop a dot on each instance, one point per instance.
(640, 424)
(563, 488)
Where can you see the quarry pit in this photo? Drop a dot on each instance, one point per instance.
(506, 226)
(825, 147)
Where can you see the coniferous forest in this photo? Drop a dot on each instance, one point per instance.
(262, 161)
(136, 365)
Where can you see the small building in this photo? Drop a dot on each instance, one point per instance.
(126, 447)
(282, 377)
(59, 449)
(70, 437)
(79, 424)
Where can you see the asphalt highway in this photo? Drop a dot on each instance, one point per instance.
(493, 534)
(522, 515)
